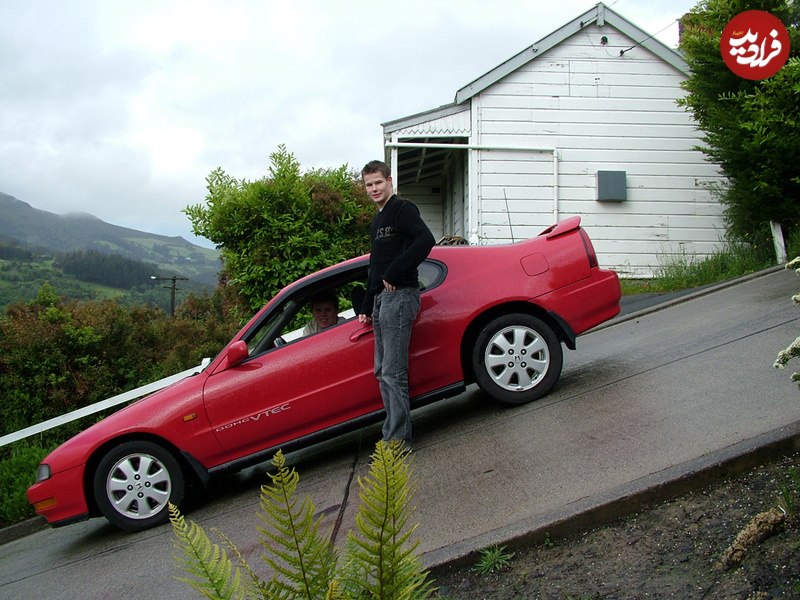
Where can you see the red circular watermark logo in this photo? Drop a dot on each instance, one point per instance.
(755, 44)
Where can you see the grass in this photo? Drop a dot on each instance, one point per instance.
(492, 559)
(789, 487)
(680, 272)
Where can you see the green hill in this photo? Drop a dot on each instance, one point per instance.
(39, 229)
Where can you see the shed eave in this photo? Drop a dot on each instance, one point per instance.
(429, 115)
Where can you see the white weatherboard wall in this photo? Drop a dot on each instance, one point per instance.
(601, 111)
(428, 201)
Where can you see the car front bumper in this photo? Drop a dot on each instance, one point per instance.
(61, 498)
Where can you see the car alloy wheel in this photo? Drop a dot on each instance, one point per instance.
(134, 484)
(517, 358)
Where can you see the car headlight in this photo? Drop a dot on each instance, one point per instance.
(43, 473)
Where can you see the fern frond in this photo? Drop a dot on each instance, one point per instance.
(381, 561)
(335, 591)
(255, 586)
(302, 559)
(211, 571)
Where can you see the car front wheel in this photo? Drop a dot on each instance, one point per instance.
(134, 484)
(517, 358)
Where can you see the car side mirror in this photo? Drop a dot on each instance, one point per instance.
(237, 353)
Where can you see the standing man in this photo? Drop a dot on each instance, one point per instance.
(400, 241)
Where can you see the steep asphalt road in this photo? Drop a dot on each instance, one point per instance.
(642, 402)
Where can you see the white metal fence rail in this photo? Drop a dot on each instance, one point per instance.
(102, 405)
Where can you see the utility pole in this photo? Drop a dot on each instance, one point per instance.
(174, 279)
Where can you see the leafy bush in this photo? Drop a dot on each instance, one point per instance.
(282, 227)
(58, 356)
(378, 563)
(17, 474)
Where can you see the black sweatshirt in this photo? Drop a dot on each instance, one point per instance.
(400, 241)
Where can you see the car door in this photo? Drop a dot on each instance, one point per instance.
(295, 389)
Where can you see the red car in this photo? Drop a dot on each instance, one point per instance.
(494, 315)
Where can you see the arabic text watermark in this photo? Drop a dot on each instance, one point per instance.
(755, 44)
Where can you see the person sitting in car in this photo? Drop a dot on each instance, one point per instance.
(325, 312)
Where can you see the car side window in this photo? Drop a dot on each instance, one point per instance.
(287, 322)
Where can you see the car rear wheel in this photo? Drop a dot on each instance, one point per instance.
(134, 484)
(517, 358)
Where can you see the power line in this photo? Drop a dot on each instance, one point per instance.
(650, 37)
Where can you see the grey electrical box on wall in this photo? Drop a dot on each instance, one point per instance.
(612, 186)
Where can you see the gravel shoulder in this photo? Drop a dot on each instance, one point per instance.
(680, 548)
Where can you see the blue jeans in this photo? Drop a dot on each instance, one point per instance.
(392, 317)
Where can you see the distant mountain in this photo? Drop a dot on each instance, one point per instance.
(36, 228)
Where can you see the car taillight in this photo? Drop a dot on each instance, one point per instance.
(587, 243)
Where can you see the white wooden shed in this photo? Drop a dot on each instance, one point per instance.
(583, 122)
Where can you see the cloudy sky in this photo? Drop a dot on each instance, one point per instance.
(121, 108)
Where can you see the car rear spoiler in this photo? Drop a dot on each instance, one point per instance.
(562, 227)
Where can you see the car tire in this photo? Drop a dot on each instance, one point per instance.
(135, 483)
(517, 358)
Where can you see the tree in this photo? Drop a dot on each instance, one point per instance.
(279, 228)
(751, 127)
(112, 270)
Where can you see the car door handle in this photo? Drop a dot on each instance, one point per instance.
(360, 333)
